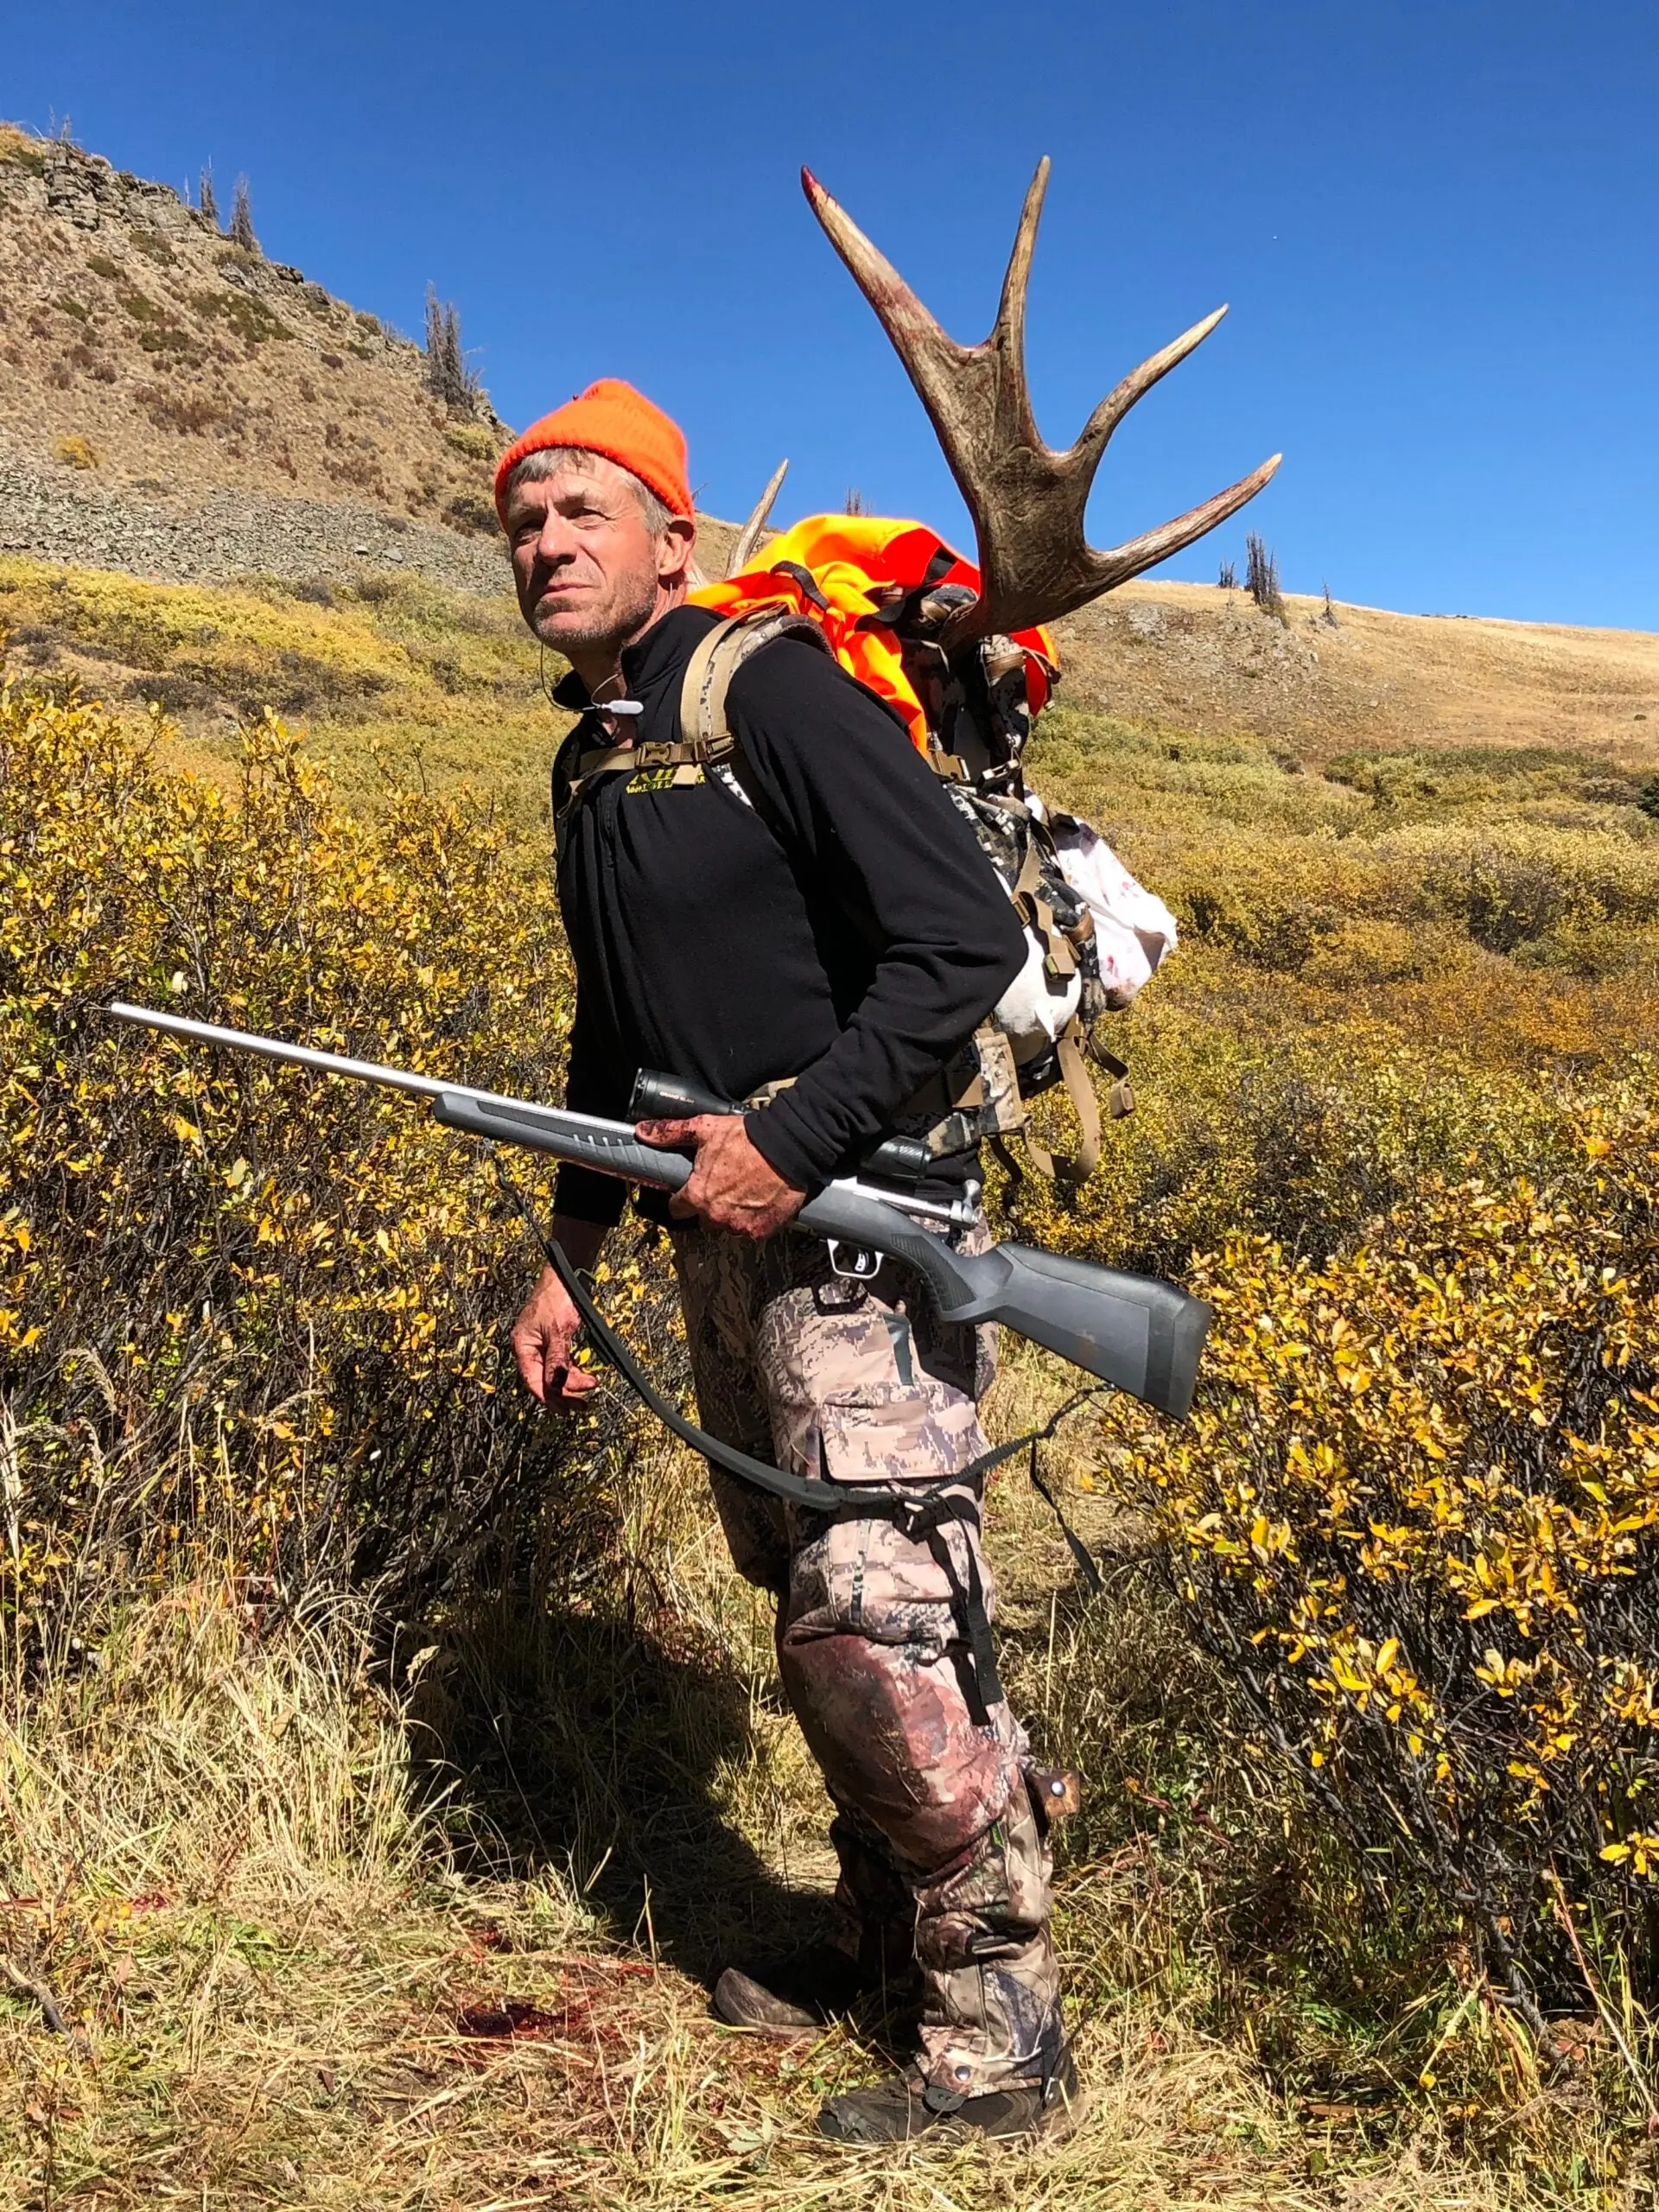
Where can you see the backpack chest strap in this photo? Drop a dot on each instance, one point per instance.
(654, 753)
(705, 734)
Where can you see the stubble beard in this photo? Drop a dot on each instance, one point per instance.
(594, 628)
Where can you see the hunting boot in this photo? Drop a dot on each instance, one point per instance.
(799, 1993)
(907, 2105)
(994, 2056)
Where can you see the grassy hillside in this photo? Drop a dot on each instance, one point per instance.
(1207, 662)
(395, 683)
(142, 345)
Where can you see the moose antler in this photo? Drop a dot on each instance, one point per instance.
(1028, 501)
(749, 537)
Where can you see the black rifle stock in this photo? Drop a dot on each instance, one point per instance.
(1142, 1335)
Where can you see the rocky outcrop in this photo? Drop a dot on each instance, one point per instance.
(144, 348)
(70, 515)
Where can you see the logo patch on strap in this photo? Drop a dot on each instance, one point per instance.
(662, 779)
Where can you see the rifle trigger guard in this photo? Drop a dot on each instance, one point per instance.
(853, 1262)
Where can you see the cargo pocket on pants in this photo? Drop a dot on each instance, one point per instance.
(864, 1575)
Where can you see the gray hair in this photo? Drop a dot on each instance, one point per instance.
(549, 460)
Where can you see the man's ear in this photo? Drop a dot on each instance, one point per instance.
(675, 548)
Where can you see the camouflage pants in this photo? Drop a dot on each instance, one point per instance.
(943, 1856)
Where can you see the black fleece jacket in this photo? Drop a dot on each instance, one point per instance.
(845, 929)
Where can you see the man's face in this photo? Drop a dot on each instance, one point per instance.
(588, 570)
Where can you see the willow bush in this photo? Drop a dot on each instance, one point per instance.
(248, 1306)
(1415, 1516)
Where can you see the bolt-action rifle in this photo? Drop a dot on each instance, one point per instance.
(1141, 1335)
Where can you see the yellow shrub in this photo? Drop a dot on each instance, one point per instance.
(1285, 1111)
(472, 440)
(250, 1298)
(1415, 1514)
(76, 452)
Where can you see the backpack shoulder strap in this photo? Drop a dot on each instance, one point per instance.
(704, 730)
(705, 734)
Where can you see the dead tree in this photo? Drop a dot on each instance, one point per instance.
(241, 232)
(1262, 575)
(447, 373)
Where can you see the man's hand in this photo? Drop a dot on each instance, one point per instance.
(544, 1332)
(542, 1339)
(731, 1187)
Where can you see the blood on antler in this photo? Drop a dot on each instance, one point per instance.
(1028, 501)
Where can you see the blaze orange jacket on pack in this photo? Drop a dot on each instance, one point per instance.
(835, 568)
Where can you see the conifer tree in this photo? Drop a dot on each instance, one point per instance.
(241, 232)
(206, 198)
(447, 372)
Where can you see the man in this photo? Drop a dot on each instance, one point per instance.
(820, 914)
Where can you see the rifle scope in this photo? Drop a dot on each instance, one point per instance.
(657, 1097)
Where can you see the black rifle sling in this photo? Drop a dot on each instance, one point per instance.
(803, 1490)
(920, 1520)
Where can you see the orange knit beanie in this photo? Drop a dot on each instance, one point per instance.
(610, 417)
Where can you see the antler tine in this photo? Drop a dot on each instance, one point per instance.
(1008, 335)
(1154, 545)
(1123, 396)
(749, 537)
(935, 361)
(1028, 501)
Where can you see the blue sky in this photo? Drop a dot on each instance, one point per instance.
(1436, 224)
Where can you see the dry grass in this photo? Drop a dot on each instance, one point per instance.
(1191, 659)
(260, 368)
(292, 1974)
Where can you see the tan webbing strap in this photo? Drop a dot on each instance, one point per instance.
(1081, 1092)
(1084, 1105)
(1040, 1157)
(697, 721)
(1059, 959)
(635, 758)
(704, 735)
(1029, 881)
(709, 673)
(768, 1091)
(1120, 1103)
(614, 756)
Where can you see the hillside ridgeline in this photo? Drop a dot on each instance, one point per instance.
(150, 368)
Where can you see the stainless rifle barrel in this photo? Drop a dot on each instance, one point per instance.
(955, 1212)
